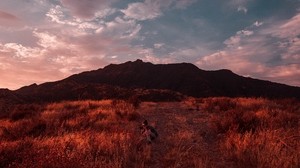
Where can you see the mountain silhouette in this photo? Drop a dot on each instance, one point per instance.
(154, 82)
(184, 78)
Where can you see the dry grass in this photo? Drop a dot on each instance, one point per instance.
(210, 132)
(69, 134)
(264, 148)
(258, 132)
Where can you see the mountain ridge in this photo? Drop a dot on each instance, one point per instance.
(185, 78)
(135, 78)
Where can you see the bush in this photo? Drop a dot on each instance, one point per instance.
(234, 119)
(25, 111)
(124, 110)
(135, 101)
(216, 105)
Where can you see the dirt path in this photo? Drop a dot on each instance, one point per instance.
(184, 136)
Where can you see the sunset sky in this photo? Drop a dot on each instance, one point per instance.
(48, 40)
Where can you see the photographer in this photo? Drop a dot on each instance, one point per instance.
(148, 131)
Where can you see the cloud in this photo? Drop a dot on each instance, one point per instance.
(247, 60)
(235, 41)
(8, 19)
(270, 52)
(158, 45)
(149, 9)
(287, 29)
(120, 28)
(92, 38)
(58, 38)
(243, 54)
(285, 73)
(55, 58)
(21, 65)
(288, 35)
(242, 9)
(257, 23)
(239, 5)
(7, 16)
(69, 45)
(117, 28)
(105, 12)
(18, 51)
(87, 9)
(58, 15)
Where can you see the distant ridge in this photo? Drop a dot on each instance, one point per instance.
(154, 81)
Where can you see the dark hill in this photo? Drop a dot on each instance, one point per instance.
(144, 79)
(7, 100)
(186, 79)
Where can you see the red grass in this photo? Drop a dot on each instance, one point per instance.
(211, 132)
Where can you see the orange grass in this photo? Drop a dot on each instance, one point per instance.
(208, 132)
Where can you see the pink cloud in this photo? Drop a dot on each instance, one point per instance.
(8, 19)
(87, 9)
(290, 28)
(250, 52)
(288, 33)
(24, 69)
(288, 74)
(7, 16)
(64, 49)
(149, 9)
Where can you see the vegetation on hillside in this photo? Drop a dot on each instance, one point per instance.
(208, 132)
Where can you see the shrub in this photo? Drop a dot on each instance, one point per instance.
(234, 119)
(25, 111)
(124, 110)
(216, 105)
(134, 101)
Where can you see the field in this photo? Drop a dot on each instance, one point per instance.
(208, 132)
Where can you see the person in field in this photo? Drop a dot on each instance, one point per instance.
(148, 131)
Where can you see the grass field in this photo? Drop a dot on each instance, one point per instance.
(208, 132)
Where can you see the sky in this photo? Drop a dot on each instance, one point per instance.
(48, 40)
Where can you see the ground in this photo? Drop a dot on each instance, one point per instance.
(210, 132)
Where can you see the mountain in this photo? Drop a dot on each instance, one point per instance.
(8, 98)
(184, 78)
(154, 82)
